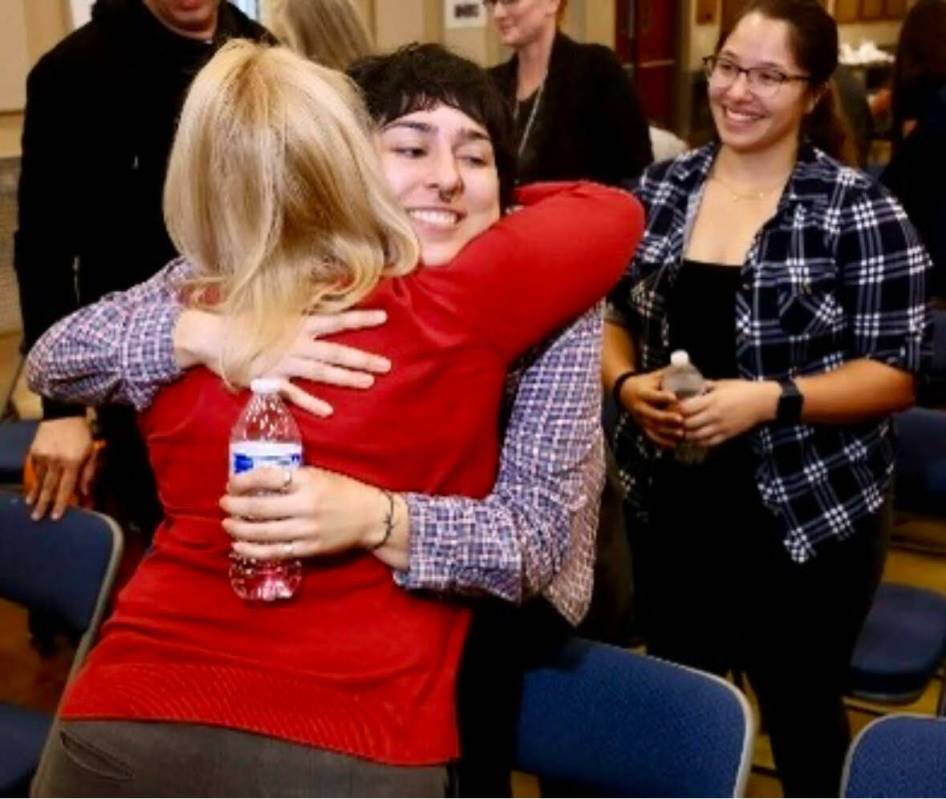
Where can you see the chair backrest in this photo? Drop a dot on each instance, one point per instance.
(899, 755)
(65, 567)
(622, 724)
(921, 461)
(16, 437)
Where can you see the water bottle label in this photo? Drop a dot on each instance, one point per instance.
(247, 455)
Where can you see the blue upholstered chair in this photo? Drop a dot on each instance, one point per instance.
(615, 723)
(904, 637)
(15, 439)
(901, 646)
(15, 435)
(64, 569)
(920, 476)
(900, 755)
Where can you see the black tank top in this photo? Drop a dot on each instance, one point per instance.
(702, 316)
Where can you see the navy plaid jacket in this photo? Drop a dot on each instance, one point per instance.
(838, 273)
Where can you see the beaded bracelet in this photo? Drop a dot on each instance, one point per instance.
(619, 384)
(388, 520)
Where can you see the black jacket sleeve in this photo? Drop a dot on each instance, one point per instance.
(45, 243)
(623, 133)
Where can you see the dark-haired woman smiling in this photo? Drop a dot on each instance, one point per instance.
(797, 286)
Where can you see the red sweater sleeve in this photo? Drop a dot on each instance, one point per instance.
(543, 265)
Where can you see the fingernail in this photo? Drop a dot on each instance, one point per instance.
(384, 365)
(57, 515)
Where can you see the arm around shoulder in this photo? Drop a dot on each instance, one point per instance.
(543, 508)
(119, 349)
(544, 265)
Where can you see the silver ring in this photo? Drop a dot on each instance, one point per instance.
(289, 548)
(286, 480)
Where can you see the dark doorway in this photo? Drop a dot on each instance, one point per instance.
(647, 38)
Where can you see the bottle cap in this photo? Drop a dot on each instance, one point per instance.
(679, 358)
(265, 385)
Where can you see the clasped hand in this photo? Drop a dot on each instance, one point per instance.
(726, 409)
(319, 512)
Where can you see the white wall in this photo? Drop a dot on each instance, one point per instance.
(80, 11)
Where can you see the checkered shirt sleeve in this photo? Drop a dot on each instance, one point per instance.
(117, 350)
(535, 533)
(883, 292)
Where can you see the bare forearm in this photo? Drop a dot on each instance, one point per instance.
(858, 391)
(617, 355)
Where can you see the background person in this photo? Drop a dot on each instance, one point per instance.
(90, 210)
(328, 32)
(917, 169)
(576, 112)
(797, 286)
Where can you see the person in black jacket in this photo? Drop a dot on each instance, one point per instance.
(916, 173)
(100, 117)
(577, 114)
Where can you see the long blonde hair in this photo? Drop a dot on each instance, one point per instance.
(329, 32)
(275, 195)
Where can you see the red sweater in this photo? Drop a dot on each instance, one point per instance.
(352, 663)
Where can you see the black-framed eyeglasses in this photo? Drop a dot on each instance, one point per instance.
(762, 81)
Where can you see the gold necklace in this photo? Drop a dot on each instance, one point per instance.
(744, 196)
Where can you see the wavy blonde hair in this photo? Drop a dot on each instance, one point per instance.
(329, 32)
(275, 195)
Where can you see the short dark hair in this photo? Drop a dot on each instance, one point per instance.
(419, 76)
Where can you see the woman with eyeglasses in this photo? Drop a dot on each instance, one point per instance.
(797, 286)
(576, 112)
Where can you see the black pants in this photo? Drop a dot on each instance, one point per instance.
(128, 758)
(716, 590)
(503, 642)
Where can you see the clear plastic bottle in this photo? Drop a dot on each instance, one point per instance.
(265, 435)
(685, 380)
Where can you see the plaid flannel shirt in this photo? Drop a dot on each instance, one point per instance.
(535, 533)
(838, 273)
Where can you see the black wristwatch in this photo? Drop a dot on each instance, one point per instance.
(790, 403)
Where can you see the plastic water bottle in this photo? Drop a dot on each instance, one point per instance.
(684, 380)
(265, 435)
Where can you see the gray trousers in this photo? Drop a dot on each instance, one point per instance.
(130, 758)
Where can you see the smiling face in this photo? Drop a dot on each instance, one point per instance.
(744, 121)
(524, 21)
(441, 167)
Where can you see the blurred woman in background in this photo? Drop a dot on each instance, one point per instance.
(917, 170)
(328, 32)
(577, 114)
